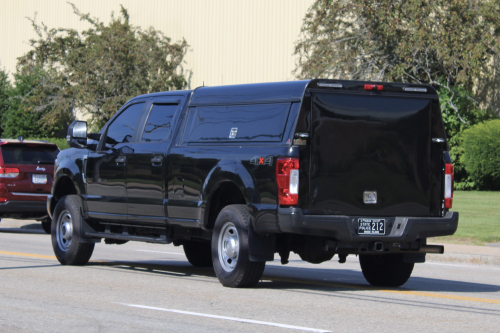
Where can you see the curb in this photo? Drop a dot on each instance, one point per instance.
(464, 258)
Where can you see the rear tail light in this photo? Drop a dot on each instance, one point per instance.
(287, 177)
(449, 177)
(9, 172)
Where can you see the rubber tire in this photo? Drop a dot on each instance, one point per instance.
(198, 253)
(387, 270)
(246, 273)
(47, 226)
(78, 252)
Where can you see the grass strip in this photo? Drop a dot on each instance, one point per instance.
(479, 221)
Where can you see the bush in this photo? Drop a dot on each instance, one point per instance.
(481, 154)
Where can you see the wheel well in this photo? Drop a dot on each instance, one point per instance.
(63, 187)
(228, 193)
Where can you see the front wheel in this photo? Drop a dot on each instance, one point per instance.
(230, 251)
(386, 270)
(66, 240)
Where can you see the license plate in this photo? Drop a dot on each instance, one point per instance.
(371, 227)
(39, 179)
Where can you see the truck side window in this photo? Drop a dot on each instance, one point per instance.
(122, 128)
(251, 123)
(159, 124)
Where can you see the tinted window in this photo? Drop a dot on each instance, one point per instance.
(122, 128)
(261, 122)
(28, 154)
(159, 124)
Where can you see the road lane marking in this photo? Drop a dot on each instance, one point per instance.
(460, 298)
(250, 321)
(328, 284)
(462, 266)
(372, 288)
(177, 253)
(28, 255)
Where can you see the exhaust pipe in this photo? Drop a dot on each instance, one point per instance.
(432, 249)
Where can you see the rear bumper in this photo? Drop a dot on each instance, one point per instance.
(23, 209)
(344, 228)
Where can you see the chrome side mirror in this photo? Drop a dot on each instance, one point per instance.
(77, 134)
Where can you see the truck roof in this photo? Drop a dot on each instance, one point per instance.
(250, 93)
(288, 91)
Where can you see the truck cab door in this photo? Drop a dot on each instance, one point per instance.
(106, 196)
(146, 195)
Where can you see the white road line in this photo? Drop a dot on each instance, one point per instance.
(179, 254)
(463, 265)
(227, 318)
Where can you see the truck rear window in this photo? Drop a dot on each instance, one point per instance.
(28, 154)
(255, 123)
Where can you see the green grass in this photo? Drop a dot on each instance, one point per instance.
(479, 221)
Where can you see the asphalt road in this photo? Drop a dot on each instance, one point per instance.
(138, 287)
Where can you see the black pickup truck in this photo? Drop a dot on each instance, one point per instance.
(236, 174)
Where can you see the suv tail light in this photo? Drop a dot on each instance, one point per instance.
(449, 177)
(9, 172)
(287, 178)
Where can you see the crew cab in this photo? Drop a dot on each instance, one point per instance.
(237, 174)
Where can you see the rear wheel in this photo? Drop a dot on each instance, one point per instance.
(387, 270)
(66, 240)
(230, 252)
(46, 225)
(198, 254)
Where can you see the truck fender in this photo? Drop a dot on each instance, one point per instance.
(67, 171)
(232, 171)
(62, 173)
(261, 248)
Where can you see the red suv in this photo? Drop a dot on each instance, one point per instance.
(26, 170)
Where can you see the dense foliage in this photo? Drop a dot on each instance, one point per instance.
(454, 127)
(446, 43)
(481, 156)
(4, 94)
(21, 117)
(98, 70)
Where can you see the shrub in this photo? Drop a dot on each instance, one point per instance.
(481, 154)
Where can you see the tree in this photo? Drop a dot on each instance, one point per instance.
(98, 70)
(4, 94)
(446, 43)
(20, 118)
